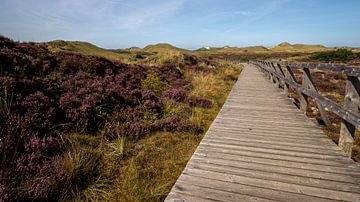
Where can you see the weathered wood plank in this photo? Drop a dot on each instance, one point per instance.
(306, 169)
(276, 185)
(243, 188)
(271, 174)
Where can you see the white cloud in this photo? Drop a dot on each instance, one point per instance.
(245, 13)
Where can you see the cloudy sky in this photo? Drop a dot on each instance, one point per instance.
(184, 23)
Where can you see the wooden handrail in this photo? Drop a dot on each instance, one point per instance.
(334, 67)
(349, 113)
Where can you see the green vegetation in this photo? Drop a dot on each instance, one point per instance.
(154, 83)
(342, 55)
(287, 47)
(163, 47)
(88, 49)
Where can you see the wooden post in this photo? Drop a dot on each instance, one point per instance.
(277, 80)
(290, 76)
(309, 84)
(281, 71)
(272, 76)
(302, 96)
(351, 103)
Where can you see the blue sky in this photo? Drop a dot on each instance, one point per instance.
(184, 23)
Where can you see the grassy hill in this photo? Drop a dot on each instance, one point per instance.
(162, 47)
(287, 47)
(251, 49)
(228, 49)
(88, 49)
(282, 47)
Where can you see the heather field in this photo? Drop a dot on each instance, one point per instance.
(77, 126)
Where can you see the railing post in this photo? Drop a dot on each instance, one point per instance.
(302, 96)
(277, 80)
(272, 77)
(310, 85)
(281, 71)
(351, 103)
(290, 76)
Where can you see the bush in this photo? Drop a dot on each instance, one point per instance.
(134, 130)
(336, 55)
(201, 102)
(154, 83)
(177, 94)
(173, 123)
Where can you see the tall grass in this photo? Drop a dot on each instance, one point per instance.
(5, 102)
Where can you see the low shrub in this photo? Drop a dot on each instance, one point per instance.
(174, 123)
(154, 83)
(177, 94)
(341, 54)
(201, 102)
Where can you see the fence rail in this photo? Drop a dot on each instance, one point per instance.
(282, 74)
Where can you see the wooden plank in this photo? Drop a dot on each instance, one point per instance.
(276, 185)
(268, 174)
(274, 152)
(273, 130)
(311, 170)
(312, 141)
(211, 193)
(294, 148)
(251, 190)
(182, 196)
(274, 141)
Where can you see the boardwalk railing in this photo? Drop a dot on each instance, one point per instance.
(282, 74)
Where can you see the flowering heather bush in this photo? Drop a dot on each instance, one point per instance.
(152, 103)
(40, 111)
(173, 123)
(172, 75)
(4, 193)
(177, 94)
(35, 155)
(201, 102)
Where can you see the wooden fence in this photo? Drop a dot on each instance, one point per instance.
(282, 74)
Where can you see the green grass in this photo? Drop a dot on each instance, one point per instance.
(163, 47)
(89, 49)
(287, 47)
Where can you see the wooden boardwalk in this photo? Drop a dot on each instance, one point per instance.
(261, 147)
